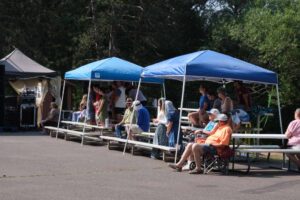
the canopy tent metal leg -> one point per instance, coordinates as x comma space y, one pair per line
88, 109
136, 96
279, 109
60, 110
180, 115
164, 90
280, 123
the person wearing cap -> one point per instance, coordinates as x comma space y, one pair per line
129, 113
142, 123
208, 130
219, 137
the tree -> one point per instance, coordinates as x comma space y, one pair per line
266, 34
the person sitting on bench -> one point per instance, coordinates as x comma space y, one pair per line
160, 137
172, 125
143, 121
52, 118
293, 134
200, 118
129, 113
219, 137
79, 115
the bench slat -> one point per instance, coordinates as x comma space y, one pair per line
268, 150
140, 144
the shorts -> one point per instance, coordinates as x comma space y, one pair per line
208, 149
135, 129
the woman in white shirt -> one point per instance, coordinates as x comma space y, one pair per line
160, 137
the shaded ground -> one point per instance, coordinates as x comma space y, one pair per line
35, 166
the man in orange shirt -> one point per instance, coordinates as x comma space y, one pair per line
221, 137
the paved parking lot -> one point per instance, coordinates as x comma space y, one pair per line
35, 166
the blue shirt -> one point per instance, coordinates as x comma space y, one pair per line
174, 117
203, 99
143, 119
210, 126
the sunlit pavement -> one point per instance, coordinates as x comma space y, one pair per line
36, 166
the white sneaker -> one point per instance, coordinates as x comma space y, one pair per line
186, 167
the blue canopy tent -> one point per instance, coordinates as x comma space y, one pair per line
109, 69
209, 65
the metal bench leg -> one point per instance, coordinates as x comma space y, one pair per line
82, 140
268, 157
249, 162
164, 156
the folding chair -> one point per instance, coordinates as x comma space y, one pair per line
217, 162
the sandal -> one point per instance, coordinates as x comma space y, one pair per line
174, 166
196, 171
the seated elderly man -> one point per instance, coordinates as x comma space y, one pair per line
209, 129
220, 137
143, 120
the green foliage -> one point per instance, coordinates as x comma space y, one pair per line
64, 34
266, 34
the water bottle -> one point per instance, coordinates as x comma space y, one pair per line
106, 122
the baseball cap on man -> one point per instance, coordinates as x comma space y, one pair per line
213, 111
222, 117
136, 105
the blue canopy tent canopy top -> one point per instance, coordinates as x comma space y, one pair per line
109, 69
210, 66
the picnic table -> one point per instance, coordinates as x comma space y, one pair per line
261, 148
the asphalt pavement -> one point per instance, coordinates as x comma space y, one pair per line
34, 166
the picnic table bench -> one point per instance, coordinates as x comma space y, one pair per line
260, 148
101, 129
264, 150
67, 133
133, 144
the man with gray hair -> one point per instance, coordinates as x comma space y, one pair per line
143, 120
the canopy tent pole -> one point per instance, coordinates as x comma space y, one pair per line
180, 115
131, 118
164, 90
279, 109
88, 109
280, 122
61, 105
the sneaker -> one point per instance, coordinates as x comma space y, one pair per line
186, 167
